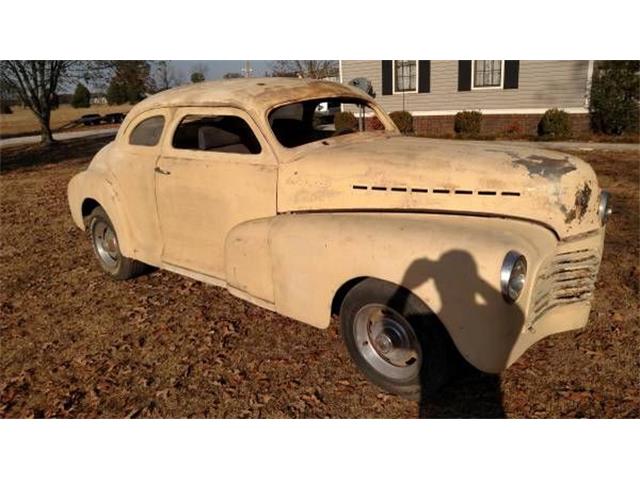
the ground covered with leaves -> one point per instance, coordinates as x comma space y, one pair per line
74, 343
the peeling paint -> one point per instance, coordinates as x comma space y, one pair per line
541, 165
579, 209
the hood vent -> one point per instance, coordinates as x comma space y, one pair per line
435, 191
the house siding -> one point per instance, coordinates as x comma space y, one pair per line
542, 85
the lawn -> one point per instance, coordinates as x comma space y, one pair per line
77, 344
23, 122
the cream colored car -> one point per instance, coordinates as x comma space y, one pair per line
421, 248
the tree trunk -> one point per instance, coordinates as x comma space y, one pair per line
46, 137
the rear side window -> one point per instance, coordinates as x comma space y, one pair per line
147, 133
216, 133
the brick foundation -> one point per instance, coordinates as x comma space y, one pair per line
516, 124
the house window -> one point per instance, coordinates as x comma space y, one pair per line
405, 78
487, 74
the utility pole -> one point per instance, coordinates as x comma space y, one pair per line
247, 69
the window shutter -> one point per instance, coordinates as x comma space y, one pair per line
464, 75
511, 73
424, 76
387, 77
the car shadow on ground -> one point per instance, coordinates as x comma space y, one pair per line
475, 311
26, 156
472, 394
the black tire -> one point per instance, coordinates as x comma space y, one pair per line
437, 357
116, 265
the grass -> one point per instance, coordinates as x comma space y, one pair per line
76, 344
23, 122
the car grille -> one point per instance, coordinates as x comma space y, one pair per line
568, 278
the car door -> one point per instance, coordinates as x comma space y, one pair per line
137, 152
216, 171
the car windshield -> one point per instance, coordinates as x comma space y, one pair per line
299, 123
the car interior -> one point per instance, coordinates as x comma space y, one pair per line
219, 133
311, 120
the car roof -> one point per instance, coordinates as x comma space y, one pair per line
257, 94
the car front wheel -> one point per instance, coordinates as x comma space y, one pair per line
395, 340
105, 246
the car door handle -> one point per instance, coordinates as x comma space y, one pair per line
162, 171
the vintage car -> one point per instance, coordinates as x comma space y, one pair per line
422, 249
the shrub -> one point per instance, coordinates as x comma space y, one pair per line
5, 108
197, 77
403, 120
468, 123
116, 93
554, 124
512, 130
345, 121
81, 97
613, 105
376, 124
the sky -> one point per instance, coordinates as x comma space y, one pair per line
217, 68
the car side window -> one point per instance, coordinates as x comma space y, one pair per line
147, 133
216, 133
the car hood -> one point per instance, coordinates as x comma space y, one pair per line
396, 173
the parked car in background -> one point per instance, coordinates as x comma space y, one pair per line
113, 117
90, 119
97, 119
422, 248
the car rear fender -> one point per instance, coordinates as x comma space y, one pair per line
91, 185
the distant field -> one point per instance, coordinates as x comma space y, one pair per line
22, 121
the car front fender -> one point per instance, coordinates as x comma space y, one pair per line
451, 262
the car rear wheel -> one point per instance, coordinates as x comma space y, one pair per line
395, 340
106, 248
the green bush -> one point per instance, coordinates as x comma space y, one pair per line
555, 124
197, 77
403, 120
468, 123
345, 121
116, 93
615, 92
81, 97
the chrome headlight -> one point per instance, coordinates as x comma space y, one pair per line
513, 275
604, 207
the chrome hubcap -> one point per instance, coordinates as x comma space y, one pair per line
387, 342
106, 243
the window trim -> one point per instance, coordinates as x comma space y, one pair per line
393, 79
473, 78
132, 130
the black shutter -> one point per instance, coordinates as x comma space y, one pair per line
387, 77
464, 75
511, 73
424, 76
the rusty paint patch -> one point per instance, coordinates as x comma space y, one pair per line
579, 209
541, 165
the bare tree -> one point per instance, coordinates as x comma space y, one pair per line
166, 76
304, 68
35, 83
